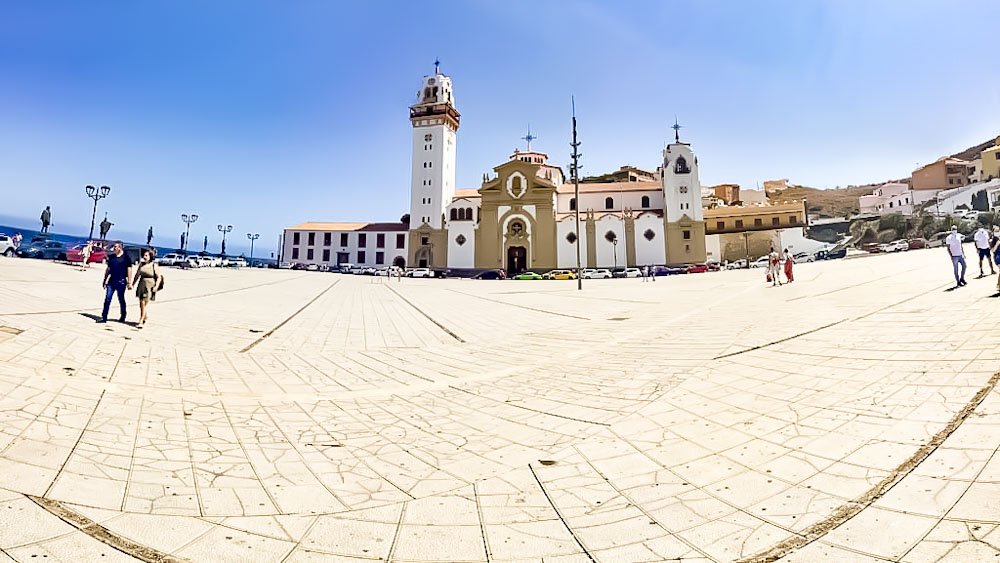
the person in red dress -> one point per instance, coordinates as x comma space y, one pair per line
788, 266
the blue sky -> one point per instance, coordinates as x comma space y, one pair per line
266, 114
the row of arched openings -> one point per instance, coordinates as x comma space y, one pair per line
609, 203
461, 214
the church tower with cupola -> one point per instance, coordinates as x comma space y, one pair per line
432, 185
683, 218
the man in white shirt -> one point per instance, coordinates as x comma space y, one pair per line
953, 243
983, 248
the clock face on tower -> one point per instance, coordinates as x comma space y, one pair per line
428, 137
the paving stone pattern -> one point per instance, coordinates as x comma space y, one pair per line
299, 416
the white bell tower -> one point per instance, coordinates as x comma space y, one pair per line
435, 126
683, 216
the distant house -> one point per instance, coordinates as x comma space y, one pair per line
892, 197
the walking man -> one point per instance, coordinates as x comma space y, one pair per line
773, 268
982, 237
46, 219
954, 245
117, 278
149, 235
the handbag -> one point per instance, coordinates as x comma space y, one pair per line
159, 278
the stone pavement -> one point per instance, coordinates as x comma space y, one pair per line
297, 416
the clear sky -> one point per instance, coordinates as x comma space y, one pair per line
266, 114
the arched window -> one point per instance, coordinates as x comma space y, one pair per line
468, 213
572, 204
645, 201
454, 214
609, 203
681, 166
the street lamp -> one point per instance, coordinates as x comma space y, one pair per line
96, 194
224, 230
188, 219
614, 247
252, 238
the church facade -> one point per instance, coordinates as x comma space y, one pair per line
522, 217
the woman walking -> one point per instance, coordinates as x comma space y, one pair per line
85, 254
147, 282
788, 266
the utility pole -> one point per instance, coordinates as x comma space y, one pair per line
575, 172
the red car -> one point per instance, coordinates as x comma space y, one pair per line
697, 268
97, 254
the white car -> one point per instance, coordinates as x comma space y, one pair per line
628, 273
737, 264
171, 259
6, 246
598, 274
420, 273
898, 246
760, 262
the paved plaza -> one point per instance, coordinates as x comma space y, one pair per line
273, 415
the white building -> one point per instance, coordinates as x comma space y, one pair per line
888, 198
333, 244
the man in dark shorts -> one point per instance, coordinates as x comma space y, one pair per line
117, 278
982, 238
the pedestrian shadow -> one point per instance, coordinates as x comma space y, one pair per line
91, 316
997, 294
952, 288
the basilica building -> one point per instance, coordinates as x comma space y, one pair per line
523, 215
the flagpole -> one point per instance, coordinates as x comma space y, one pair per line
575, 169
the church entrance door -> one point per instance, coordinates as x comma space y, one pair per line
517, 260
399, 262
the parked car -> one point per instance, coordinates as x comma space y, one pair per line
916, 243
737, 264
312, 268
356, 270
97, 254
596, 274
627, 273
171, 259
528, 276
285, 265
420, 273
834, 254
713, 266
697, 268
191, 262
559, 275
937, 239
48, 250
898, 245
491, 275
368, 271
760, 262
669, 270
872, 247
801, 257
7, 246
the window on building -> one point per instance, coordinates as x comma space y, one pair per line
775, 220
295, 253
380, 241
309, 254
572, 204
312, 239
326, 254
739, 223
400, 240
362, 240
890, 205
361, 257
380, 257
343, 239
468, 213
423, 241
327, 239
609, 203
720, 225
295, 238
793, 220
454, 214
758, 222
645, 201
687, 235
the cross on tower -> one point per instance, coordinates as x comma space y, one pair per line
529, 137
677, 130
437, 64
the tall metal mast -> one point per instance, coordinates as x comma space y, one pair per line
575, 172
